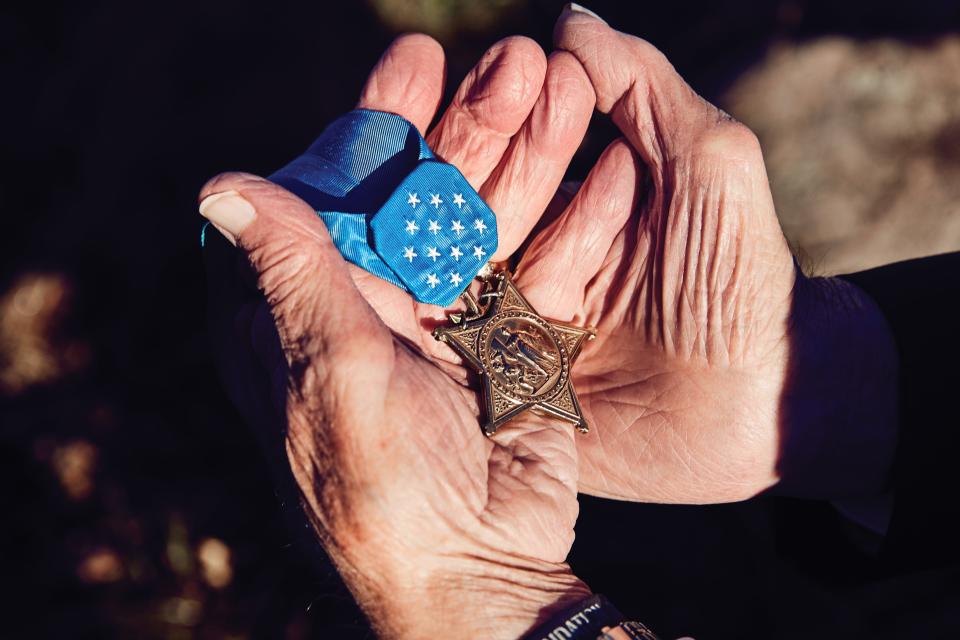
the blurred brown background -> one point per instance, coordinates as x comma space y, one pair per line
133, 501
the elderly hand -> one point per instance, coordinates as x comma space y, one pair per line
436, 529
719, 370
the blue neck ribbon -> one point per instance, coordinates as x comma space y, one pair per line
392, 208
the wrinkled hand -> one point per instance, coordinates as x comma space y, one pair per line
434, 527
719, 370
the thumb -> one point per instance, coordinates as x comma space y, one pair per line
306, 283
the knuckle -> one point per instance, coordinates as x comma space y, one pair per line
568, 87
728, 140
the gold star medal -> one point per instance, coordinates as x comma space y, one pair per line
524, 360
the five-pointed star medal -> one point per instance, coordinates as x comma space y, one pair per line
524, 359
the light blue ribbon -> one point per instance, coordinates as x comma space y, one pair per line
392, 208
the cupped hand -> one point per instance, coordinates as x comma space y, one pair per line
718, 370
433, 526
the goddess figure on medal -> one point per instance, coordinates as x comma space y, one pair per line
521, 358
524, 359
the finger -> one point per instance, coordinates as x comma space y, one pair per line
654, 107
490, 106
408, 80
583, 235
316, 307
530, 172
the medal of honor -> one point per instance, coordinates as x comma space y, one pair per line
395, 210
524, 360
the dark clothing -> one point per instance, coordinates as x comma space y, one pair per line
921, 301
776, 567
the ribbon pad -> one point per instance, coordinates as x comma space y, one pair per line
392, 208
435, 232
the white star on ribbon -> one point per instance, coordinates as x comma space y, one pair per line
413, 200
412, 227
478, 252
455, 278
434, 227
433, 253
409, 253
435, 200
458, 200
457, 226
455, 253
433, 280
479, 226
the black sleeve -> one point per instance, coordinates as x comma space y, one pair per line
921, 301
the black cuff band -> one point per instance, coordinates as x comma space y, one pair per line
583, 621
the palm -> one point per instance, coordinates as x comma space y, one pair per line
515, 493
673, 385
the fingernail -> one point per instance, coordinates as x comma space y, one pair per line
573, 7
229, 213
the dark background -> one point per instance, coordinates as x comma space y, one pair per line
133, 501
